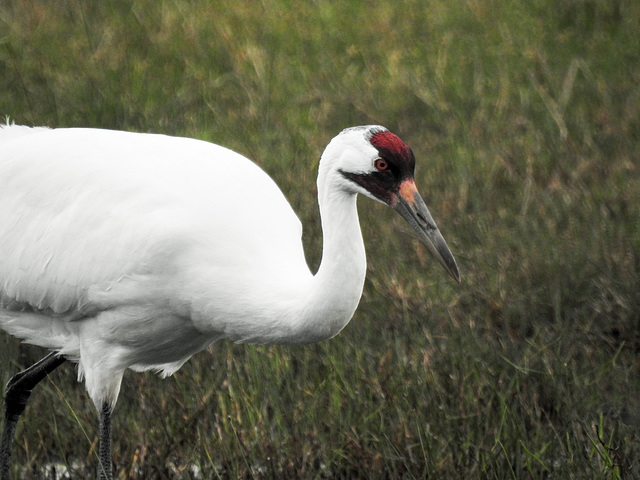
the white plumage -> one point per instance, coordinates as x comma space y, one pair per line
123, 250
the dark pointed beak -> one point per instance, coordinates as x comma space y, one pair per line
413, 209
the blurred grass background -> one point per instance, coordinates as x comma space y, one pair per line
525, 120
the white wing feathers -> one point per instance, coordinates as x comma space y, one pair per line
126, 250
81, 210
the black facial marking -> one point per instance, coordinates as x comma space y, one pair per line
385, 184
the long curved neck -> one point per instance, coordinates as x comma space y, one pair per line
305, 309
318, 307
332, 295
337, 286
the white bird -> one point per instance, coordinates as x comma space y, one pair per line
125, 250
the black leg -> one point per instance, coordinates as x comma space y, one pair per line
6, 444
16, 396
105, 471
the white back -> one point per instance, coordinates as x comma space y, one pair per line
82, 209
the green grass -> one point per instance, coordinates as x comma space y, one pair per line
525, 119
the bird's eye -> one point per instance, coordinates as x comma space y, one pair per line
381, 164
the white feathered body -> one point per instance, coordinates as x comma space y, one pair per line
124, 250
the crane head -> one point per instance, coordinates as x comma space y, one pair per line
377, 163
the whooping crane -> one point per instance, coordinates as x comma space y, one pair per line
125, 250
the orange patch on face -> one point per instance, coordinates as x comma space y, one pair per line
408, 190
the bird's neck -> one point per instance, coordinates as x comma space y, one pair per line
299, 309
318, 307
335, 290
